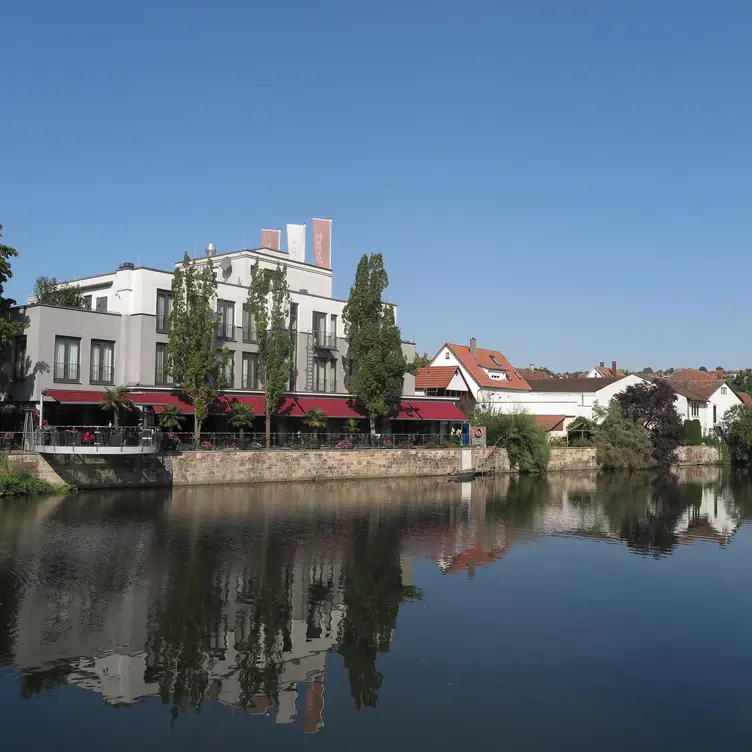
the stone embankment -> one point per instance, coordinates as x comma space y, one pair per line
219, 467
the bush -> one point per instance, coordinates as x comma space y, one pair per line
526, 444
622, 444
18, 484
692, 432
738, 430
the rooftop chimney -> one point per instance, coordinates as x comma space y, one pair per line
532, 367
473, 343
603, 364
613, 368
719, 373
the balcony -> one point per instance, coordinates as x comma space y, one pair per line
96, 440
325, 341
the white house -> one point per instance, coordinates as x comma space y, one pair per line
707, 401
602, 372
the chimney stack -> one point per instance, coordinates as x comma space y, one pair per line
719, 373
532, 366
603, 364
473, 343
613, 368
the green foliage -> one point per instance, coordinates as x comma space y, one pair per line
737, 424
375, 344
527, 445
315, 418
171, 418
622, 443
116, 400
8, 329
241, 416
742, 382
581, 432
692, 432
269, 303
418, 362
195, 361
19, 484
351, 425
50, 292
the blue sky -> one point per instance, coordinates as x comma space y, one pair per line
568, 181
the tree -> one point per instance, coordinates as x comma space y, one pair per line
196, 362
241, 417
692, 432
315, 418
351, 425
418, 362
172, 418
737, 430
647, 369
653, 406
703, 369
116, 400
742, 382
375, 344
50, 292
8, 329
527, 445
269, 304
621, 443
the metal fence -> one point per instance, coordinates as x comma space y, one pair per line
97, 436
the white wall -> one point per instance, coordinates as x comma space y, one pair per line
723, 399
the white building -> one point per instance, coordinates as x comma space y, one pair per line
707, 401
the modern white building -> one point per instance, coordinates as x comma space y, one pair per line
68, 356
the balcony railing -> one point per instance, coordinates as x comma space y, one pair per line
102, 375
324, 385
254, 384
250, 334
67, 372
163, 378
96, 440
325, 341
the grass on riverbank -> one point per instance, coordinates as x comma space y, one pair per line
14, 483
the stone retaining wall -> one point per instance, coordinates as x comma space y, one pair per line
220, 467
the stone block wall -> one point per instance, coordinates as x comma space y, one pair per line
698, 455
572, 458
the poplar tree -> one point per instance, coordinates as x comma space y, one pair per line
269, 304
196, 362
375, 343
8, 329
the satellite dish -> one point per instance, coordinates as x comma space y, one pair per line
211, 250
225, 265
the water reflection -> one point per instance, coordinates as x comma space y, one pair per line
243, 596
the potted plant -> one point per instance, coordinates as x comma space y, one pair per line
241, 417
170, 420
314, 419
116, 400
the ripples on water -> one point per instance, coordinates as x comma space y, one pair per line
419, 606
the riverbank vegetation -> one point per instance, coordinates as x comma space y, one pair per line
527, 445
14, 483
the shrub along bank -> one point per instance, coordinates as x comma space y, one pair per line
527, 445
15, 483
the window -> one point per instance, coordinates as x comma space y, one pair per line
228, 371
715, 415
249, 325
19, 358
67, 359
102, 305
493, 360
320, 336
225, 319
293, 316
87, 302
249, 375
162, 376
694, 408
102, 362
164, 307
324, 371
333, 327
446, 355
724, 390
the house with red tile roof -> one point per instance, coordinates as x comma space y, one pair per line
440, 381
602, 372
707, 400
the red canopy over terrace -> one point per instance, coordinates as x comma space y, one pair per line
294, 407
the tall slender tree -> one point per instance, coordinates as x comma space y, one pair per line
269, 303
196, 361
8, 329
375, 344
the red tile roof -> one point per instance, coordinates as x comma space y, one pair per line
692, 374
550, 422
434, 377
530, 375
608, 373
745, 398
483, 359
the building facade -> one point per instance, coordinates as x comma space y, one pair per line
120, 338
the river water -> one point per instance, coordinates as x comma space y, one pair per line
573, 613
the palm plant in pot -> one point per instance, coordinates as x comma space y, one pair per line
171, 420
241, 417
314, 419
116, 400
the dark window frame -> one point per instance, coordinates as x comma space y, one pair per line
101, 379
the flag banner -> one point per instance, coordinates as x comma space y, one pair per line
322, 243
296, 242
271, 239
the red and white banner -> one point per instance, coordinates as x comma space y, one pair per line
271, 239
322, 243
296, 242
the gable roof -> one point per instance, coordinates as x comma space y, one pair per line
572, 385
692, 374
688, 390
485, 359
434, 377
551, 422
530, 375
608, 373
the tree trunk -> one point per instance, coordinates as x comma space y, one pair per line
116, 417
197, 432
372, 423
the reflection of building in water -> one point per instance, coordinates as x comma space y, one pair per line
711, 520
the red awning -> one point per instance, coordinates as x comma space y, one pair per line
439, 411
75, 396
256, 401
332, 406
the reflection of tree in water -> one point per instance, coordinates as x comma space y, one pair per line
373, 593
